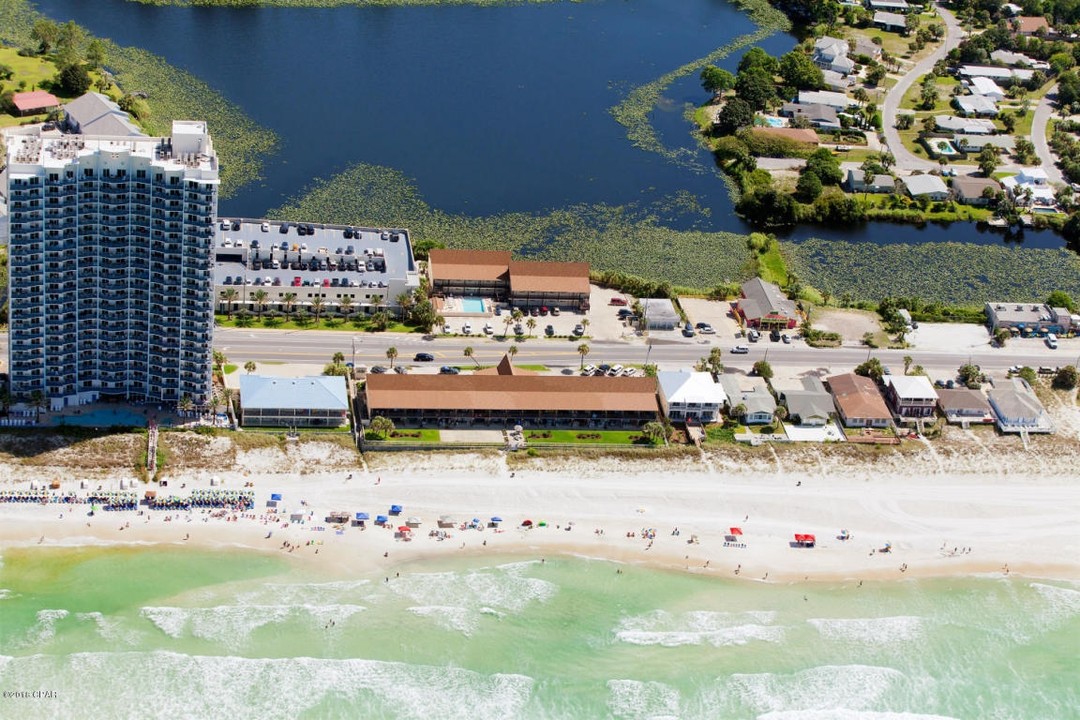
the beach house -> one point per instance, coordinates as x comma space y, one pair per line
890, 22
976, 105
494, 274
910, 397
318, 401
987, 88
1017, 409
964, 406
686, 395
930, 186
1030, 187
752, 393
858, 401
881, 183
973, 190
812, 406
821, 116
832, 54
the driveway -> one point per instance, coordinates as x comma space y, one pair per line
905, 160
1041, 119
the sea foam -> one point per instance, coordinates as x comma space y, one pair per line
637, 700
699, 628
187, 686
871, 631
824, 688
231, 625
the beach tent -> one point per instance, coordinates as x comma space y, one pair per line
380, 519
362, 516
526, 523
445, 521
404, 529
296, 517
275, 496
805, 540
413, 522
736, 531
395, 509
496, 519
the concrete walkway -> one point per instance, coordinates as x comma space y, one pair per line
1039, 122
905, 160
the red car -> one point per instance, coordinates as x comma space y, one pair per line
296, 281
617, 301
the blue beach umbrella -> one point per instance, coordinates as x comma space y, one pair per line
381, 519
275, 496
362, 516
496, 519
395, 509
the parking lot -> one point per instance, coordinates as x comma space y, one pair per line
714, 312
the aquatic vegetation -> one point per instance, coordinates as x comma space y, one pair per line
952, 273
634, 110
173, 94
630, 239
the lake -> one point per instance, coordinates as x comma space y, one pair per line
489, 110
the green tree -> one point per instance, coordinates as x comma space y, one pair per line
345, 306
1065, 378
904, 121
512, 351
713, 363
96, 55
1024, 151
1001, 336
228, 297
379, 321
654, 431
872, 369
755, 58
735, 114
928, 96
825, 165
74, 80
988, 160
738, 412
338, 358
39, 402
970, 375
1060, 62
1028, 374
421, 248
69, 45
318, 306
46, 33
1060, 298
800, 72
808, 188
382, 426
249, 366
391, 355
289, 301
531, 324
470, 353
259, 296
582, 350
908, 360
763, 369
756, 87
716, 80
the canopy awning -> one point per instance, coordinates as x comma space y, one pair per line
527, 523
404, 528
362, 516
805, 539
381, 519
736, 531
275, 496
496, 519
395, 509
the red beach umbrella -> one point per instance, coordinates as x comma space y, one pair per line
736, 531
404, 528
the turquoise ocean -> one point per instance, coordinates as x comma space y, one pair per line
150, 632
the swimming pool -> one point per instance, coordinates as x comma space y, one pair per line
104, 418
773, 121
473, 305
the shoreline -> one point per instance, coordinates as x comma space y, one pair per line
1026, 526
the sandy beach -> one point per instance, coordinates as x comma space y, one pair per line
951, 518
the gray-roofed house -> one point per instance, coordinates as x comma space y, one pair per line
314, 401
964, 406
836, 81
930, 186
828, 49
819, 115
893, 5
969, 190
998, 73
881, 183
835, 100
810, 407
977, 105
890, 22
659, 314
764, 305
1017, 408
753, 395
975, 143
867, 48
970, 126
686, 395
95, 114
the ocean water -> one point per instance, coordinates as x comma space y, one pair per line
183, 634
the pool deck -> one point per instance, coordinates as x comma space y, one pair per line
454, 307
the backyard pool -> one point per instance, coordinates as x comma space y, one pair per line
104, 418
772, 121
473, 305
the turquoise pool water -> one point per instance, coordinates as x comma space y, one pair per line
473, 305
104, 418
775, 121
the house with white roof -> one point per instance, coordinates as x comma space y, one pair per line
968, 126
827, 49
314, 401
1013, 59
997, 73
977, 105
930, 186
1030, 187
910, 397
686, 395
987, 88
835, 100
836, 81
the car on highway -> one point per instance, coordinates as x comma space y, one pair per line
423, 357
740, 350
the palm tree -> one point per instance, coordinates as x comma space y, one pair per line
39, 402
1000, 336
228, 297
186, 404
220, 360
318, 305
656, 432
405, 302
531, 324
907, 363
391, 355
508, 320
250, 366
781, 413
512, 351
259, 296
345, 306
288, 300
585, 325
339, 358
582, 350
468, 352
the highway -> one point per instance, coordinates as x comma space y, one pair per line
318, 347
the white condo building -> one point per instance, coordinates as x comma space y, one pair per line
111, 283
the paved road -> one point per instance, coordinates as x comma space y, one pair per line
1043, 111
317, 347
905, 160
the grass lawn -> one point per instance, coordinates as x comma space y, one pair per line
404, 435
591, 437
37, 74
230, 368
958, 212
913, 96
278, 323
720, 433
772, 266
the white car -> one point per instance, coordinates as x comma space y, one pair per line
588, 370
740, 350
488, 330
615, 370
579, 329
466, 329
266, 227
446, 329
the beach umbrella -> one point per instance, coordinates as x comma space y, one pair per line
526, 523
736, 531
395, 509
404, 528
381, 519
362, 516
476, 521
542, 523
275, 496
496, 519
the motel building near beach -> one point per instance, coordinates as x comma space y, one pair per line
506, 396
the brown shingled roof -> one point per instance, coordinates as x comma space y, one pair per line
1028, 25
532, 276
511, 392
858, 396
468, 264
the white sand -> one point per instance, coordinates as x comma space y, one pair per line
1002, 507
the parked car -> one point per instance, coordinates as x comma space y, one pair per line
284, 229
423, 357
786, 338
774, 335
519, 330
740, 350
544, 310
488, 330
617, 301
466, 329
401, 370
447, 370
555, 311
615, 370
549, 330
266, 227
579, 329
1051, 341
378, 370
705, 329
688, 330
588, 370
753, 335
446, 329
